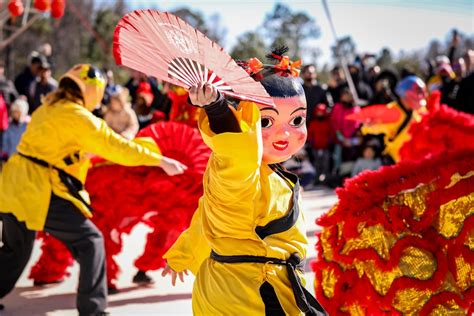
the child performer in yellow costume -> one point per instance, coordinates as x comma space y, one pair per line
247, 242
41, 187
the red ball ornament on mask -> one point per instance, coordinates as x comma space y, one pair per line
42, 5
15, 7
57, 8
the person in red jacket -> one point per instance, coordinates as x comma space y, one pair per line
3, 118
319, 137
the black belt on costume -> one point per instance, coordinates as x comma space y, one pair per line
72, 184
306, 302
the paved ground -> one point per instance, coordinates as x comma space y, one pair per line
161, 299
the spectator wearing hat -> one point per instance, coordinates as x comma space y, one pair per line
111, 87
143, 106
40, 87
28, 75
120, 116
16, 128
384, 86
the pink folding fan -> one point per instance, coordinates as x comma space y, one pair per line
162, 45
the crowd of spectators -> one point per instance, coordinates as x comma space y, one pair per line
335, 148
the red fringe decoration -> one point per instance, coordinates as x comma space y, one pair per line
125, 196
54, 261
438, 131
361, 201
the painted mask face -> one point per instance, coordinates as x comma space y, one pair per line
412, 92
283, 128
415, 98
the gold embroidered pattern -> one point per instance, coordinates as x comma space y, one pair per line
375, 237
455, 178
327, 249
380, 280
449, 308
410, 301
470, 240
354, 310
453, 214
414, 199
328, 282
465, 273
417, 263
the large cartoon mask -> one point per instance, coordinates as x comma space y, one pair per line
412, 92
91, 82
283, 128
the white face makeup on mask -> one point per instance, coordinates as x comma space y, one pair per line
283, 128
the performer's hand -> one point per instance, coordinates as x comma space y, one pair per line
167, 270
203, 94
172, 167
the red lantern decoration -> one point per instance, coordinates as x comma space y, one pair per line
42, 5
16, 8
57, 8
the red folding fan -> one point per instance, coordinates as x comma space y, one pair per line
162, 45
181, 142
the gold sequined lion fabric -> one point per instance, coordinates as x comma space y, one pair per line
400, 241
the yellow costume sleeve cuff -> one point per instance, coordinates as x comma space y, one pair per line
149, 143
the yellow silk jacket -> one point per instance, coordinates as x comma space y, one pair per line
240, 193
59, 132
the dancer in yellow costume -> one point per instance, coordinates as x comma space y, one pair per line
41, 187
408, 109
247, 240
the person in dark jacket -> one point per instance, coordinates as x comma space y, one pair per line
28, 75
40, 87
315, 93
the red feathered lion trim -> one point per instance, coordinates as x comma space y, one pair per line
369, 199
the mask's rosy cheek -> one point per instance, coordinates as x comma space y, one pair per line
301, 135
265, 135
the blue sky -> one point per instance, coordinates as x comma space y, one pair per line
400, 25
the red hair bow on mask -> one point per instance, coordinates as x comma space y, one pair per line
254, 66
286, 64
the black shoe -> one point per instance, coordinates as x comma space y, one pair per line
142, 278
42, 283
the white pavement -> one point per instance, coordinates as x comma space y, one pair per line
160, 299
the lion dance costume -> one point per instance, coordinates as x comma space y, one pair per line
400, 240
